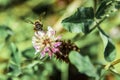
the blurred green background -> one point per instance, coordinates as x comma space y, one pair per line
16, 37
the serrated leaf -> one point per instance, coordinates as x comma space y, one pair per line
80, 21
83, 64
109, 47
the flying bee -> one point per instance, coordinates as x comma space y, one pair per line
38, 26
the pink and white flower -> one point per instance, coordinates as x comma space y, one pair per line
46, 42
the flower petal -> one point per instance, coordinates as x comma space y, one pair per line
45, 42
37, 48
58, 38
37, 51
42, 54
41, 33
54, 50
49, 53
57, 44
47, 50
50, 32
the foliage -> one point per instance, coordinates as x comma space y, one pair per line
88, 28
82, 63
80, 21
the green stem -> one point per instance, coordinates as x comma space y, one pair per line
98, 23
114, 71
115, 62
107, 15
108, 66
111, 66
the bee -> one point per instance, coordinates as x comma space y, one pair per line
38, 26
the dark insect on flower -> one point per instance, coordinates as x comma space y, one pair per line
38, 26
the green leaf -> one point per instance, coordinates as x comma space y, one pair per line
102, 8
109, 47
80, 21
14, 70
117, 5
15, 55
5, 33
29, 53
83, 64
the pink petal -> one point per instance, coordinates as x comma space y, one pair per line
50, 32
57, 44
55, 50
41, 33
46, 49
42, 54
37, 48
58, 38
49, 53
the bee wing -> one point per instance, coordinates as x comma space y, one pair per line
42, 15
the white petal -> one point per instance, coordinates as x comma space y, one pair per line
58, 37
36, 52
50, 32
50, 28
41, 33
33, 39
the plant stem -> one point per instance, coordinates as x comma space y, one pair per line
98, 23
115, 62
111, 66
106, 16
114, 71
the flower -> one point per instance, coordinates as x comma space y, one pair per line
46, 42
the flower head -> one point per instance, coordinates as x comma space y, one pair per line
46, 42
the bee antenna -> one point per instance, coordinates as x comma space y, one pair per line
29, 21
